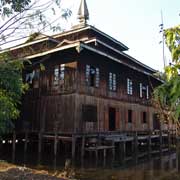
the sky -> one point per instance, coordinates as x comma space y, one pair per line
134, 23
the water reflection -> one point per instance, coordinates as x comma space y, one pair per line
159, 167
155, 167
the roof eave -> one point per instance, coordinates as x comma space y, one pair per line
125, 48
79, 46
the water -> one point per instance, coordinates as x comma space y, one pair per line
157, 167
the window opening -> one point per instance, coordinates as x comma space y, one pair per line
92, 76
112, 82
129, 86
129, 116
144, 117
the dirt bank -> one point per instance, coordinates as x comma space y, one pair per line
13, 172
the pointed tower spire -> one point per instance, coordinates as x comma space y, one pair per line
83, 13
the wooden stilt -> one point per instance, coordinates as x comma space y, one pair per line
104, 157
39, 142
82, 147
160, 141
55, 150
96, 157
39, 146
82, 151
25, 142
13, 146
65, 148
73, 147
55, 145
25, 146
98, 140
169, 140
96, 154
132, 147
113, 150
123, 151
136, 147
119, 150
104, 154
149, 143
136, 144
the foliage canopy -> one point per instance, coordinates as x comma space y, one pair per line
167, 95
11, 89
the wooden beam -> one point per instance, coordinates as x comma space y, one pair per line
82, 147
73, 147
13, 146
25, 142
160, 140
149, 142
55, 145
136, 143
123, 151
55, 150
113, 150
39, 146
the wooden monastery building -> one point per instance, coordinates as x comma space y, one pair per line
89, 91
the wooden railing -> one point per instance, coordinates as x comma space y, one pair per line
128, 133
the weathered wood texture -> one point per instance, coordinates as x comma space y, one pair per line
55, 114
52, 108
47, 106
122, 73
121, 108
58, 107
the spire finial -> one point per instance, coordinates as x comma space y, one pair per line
83, 13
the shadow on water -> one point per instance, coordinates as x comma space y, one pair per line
157, 167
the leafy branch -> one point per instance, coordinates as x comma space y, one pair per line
28, 18
167, 96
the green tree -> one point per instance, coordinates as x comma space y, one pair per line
11, 89
7, 8
19, 19
167, 95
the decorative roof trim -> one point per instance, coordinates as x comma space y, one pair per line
83, 13
53, 38
92, 28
